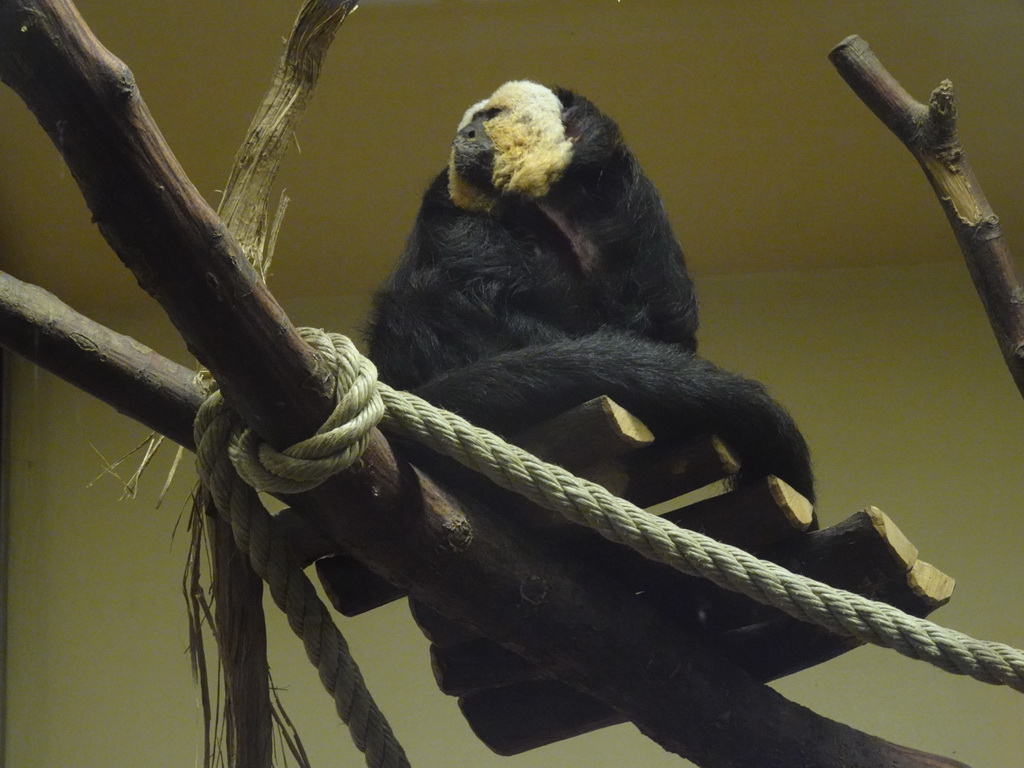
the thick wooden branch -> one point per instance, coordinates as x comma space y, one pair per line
154, 218
467, 564
930, 133
115, 368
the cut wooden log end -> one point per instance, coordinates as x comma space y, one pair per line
859, 553
903, 552
353, 588
752, 517
867, 553
598, 430
439, 629
307, 541
478, 665
794, 506
658, 474
927, 582
545, 711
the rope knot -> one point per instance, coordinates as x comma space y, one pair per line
337, 444
233, 465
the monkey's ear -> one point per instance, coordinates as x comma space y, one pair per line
567, 97
571, 113
572, 123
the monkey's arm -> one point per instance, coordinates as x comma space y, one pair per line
616, 218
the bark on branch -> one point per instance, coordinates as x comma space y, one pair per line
930, 133
154, 218
115, 368
467, 564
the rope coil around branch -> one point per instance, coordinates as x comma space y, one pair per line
337, 444
231, 461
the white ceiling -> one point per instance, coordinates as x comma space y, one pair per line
765, 159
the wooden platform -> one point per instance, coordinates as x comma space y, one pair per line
514, 706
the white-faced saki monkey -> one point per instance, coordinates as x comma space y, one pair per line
542, 272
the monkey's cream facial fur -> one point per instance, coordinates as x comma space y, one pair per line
531, 151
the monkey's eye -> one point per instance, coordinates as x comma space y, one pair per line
487, 114
475, 129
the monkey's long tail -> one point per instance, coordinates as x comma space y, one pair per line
675, 392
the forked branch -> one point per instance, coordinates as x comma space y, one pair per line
930, 133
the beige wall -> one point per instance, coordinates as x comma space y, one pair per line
891, 371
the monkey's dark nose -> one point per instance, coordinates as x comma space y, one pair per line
473, 154
473, 132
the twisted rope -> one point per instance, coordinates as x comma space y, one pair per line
231, 461
692, 553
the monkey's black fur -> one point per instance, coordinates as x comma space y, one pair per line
513, 315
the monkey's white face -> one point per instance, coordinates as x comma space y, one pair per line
528, 147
